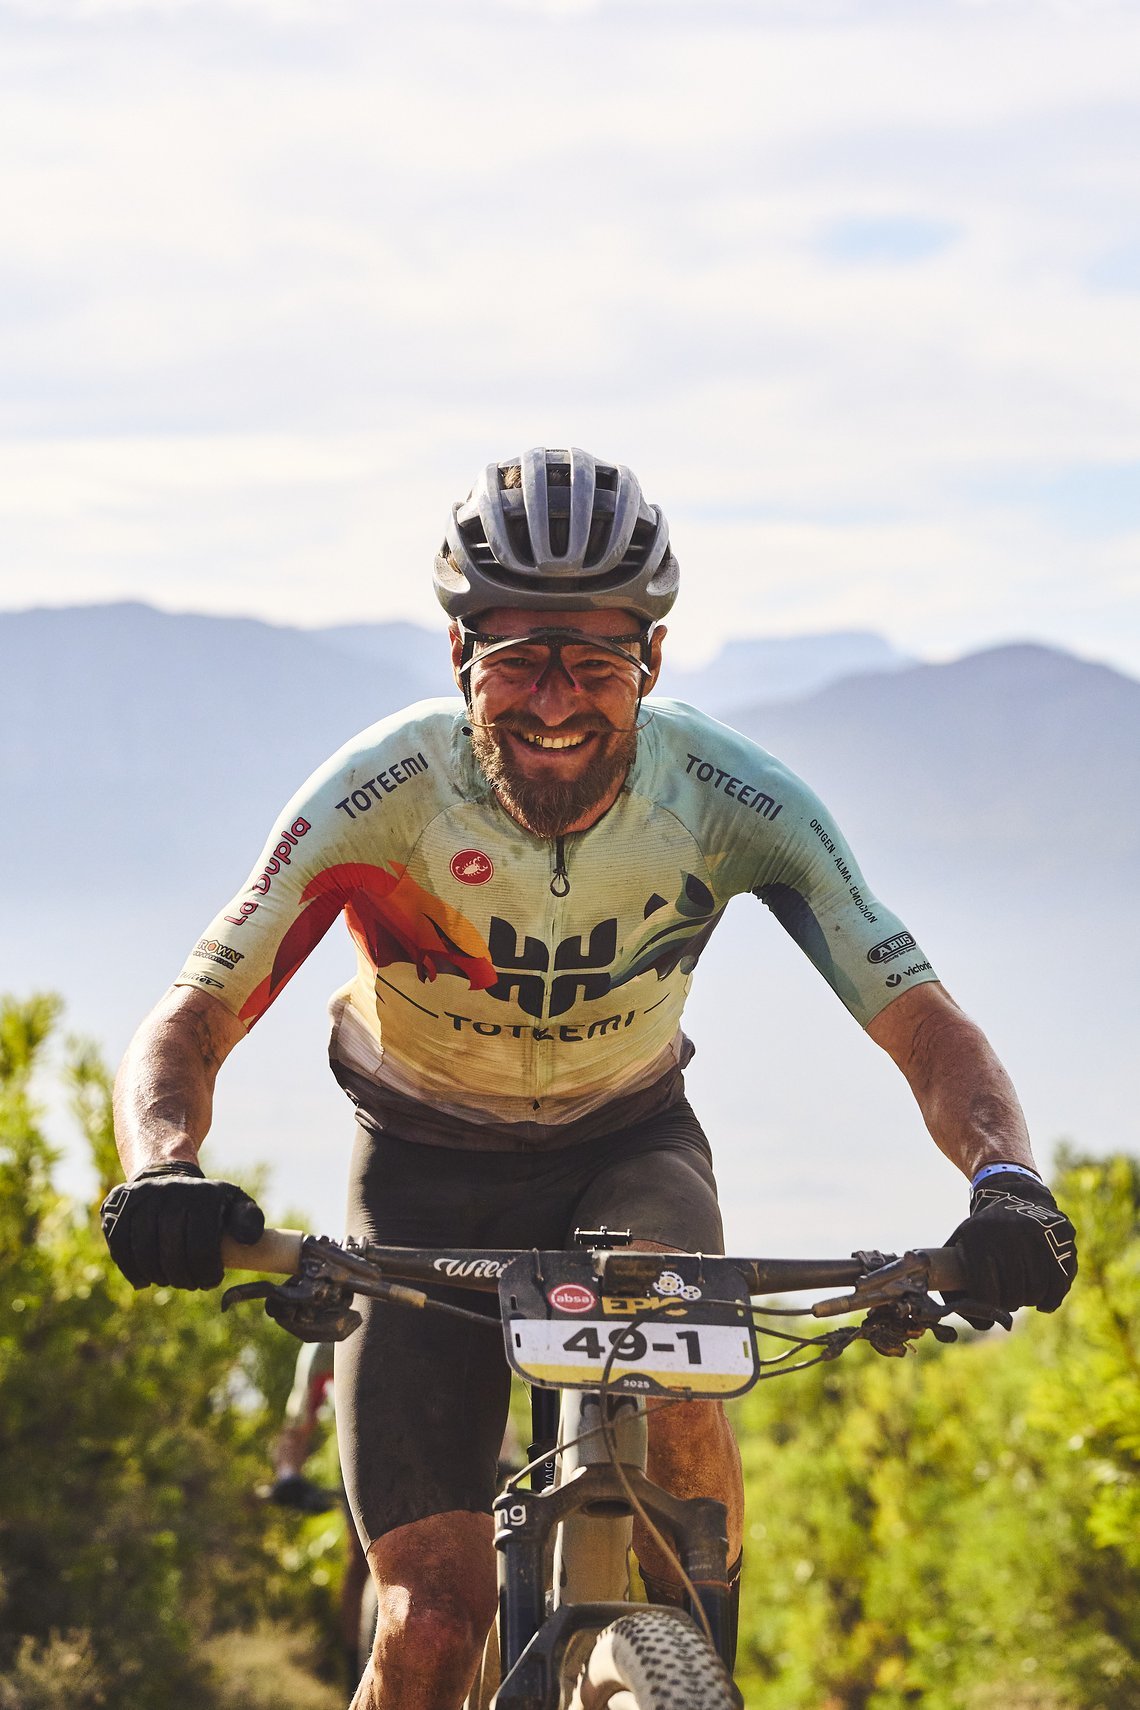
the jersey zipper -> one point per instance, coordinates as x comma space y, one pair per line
559, 890
560, 879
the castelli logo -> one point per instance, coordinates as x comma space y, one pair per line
572, 1297
472, 867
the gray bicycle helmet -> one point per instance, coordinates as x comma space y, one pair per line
554, 530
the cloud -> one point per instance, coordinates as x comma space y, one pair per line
1117, 269
850, 285
895, 239
1087, 500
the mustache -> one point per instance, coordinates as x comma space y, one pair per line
535, 727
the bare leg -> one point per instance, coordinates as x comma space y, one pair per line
435, 1580
351, 1593
692, 1452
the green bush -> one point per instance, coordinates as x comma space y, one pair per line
134, 1431
961, 1529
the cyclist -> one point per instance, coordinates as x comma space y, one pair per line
312, 1381
529, 876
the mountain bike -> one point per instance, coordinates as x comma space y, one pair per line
604, 1334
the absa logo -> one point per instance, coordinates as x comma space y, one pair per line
572, 1297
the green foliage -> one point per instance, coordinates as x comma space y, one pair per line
61, 1673
90, 1088
135, 1429
26, 1158
960, 1530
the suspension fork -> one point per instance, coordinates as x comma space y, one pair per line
593, 1543
584, 1520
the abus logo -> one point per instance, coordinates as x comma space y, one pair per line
469, 1267
472, 867
572, 1297
890, 948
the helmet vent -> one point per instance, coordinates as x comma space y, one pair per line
475, 541
644, 534
559, 535
519, 536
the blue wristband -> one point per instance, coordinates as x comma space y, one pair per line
1002, 1169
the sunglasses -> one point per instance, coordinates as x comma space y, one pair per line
590, 662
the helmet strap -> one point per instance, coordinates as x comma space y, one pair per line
469, 639
647, 635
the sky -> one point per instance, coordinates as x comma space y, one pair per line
852, 285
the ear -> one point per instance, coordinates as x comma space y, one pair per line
655, 641
456, 639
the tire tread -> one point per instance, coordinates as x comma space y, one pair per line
653, 1660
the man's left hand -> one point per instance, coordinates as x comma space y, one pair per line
1019, 1247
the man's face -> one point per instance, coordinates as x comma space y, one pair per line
554, 728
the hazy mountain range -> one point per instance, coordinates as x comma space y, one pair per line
992, 802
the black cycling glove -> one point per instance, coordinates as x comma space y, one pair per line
1019, 1248
166, 1225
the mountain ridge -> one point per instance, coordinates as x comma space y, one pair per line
991, 802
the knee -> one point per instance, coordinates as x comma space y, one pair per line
443, 1627
435, 1586
689, 1427
693, 1451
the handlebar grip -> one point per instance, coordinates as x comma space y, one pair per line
278, 1250
947, 1268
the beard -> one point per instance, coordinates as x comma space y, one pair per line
548, 807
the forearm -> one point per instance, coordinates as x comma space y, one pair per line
966, 1097
293, 1446
164, 1090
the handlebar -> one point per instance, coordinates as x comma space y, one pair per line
282, 1252
277, 1252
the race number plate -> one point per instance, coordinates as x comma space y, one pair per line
690, 1331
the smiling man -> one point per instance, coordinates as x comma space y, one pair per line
544, 705
529, 877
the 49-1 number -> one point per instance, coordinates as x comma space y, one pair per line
629, 1344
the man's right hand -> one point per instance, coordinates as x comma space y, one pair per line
166, 1225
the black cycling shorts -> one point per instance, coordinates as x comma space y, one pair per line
421, 1398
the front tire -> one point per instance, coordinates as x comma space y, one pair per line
653, 1660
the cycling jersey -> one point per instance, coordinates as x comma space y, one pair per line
312, 1380
517, 984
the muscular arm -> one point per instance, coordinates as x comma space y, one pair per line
965, 1096
164, 1091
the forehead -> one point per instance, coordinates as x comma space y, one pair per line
516, 620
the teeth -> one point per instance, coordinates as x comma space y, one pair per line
553, 741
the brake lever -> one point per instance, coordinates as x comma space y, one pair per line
246, 1291
899, 1309
889, 1284
891, 1329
